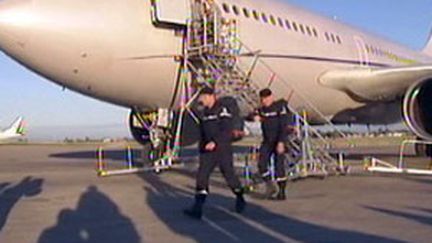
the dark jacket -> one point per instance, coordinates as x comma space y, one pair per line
216, 126
276, 122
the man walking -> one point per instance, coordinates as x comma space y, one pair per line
275, 119
215, 150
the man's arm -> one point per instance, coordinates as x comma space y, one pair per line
285, 117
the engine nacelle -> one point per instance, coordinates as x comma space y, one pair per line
417, 109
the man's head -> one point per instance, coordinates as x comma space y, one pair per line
266, 96
207, 97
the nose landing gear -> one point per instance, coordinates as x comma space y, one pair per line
153, 130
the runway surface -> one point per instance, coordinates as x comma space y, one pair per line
50, 193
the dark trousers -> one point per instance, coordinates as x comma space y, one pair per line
222, 157
267, 150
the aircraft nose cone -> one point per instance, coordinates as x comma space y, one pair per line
16, 20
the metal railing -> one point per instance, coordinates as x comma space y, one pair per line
258, 68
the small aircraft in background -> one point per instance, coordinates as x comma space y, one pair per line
16, 130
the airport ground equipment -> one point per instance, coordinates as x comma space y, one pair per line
305, 157
214, 56
251, 156
129, 165
380, 166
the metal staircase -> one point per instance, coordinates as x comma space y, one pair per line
212, 48
212, 54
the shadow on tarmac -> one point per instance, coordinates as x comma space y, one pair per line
423, 219
120, 154
11, 195
221, 224
96, 219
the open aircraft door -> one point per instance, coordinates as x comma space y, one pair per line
171, 13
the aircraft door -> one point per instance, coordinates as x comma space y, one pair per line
172, 13
363, 54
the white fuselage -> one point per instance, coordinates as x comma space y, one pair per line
7, 136
112, 51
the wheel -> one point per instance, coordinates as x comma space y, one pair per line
139, 132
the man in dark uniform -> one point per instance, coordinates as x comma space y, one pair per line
215, 150
276, 120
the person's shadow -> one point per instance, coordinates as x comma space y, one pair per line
96, 219
424, 216
10, 195
221, 224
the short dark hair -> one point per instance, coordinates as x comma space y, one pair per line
265, 93
207, 91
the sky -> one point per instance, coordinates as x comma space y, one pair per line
54, 114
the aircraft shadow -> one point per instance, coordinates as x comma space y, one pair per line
10, 195
96, 219
257, 224
423, 219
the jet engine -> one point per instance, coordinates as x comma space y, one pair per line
417, 109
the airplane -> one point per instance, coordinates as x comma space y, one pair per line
130, 53
16, 130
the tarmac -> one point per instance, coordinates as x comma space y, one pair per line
50, 193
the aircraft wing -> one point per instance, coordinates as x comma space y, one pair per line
372, 85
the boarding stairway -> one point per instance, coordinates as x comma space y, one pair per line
212, 49
214, 56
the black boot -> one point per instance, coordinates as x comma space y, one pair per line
240, 204
281, 193
196, 210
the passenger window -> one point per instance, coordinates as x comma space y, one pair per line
236, 10
294, 25
333, 38
280, 21
308, 30
338, 39
302, 28
287, 24
327, 36
246, 12
315, 32
226, 8
272, 20
255, 14
264, 17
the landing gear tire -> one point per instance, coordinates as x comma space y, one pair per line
139, 132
